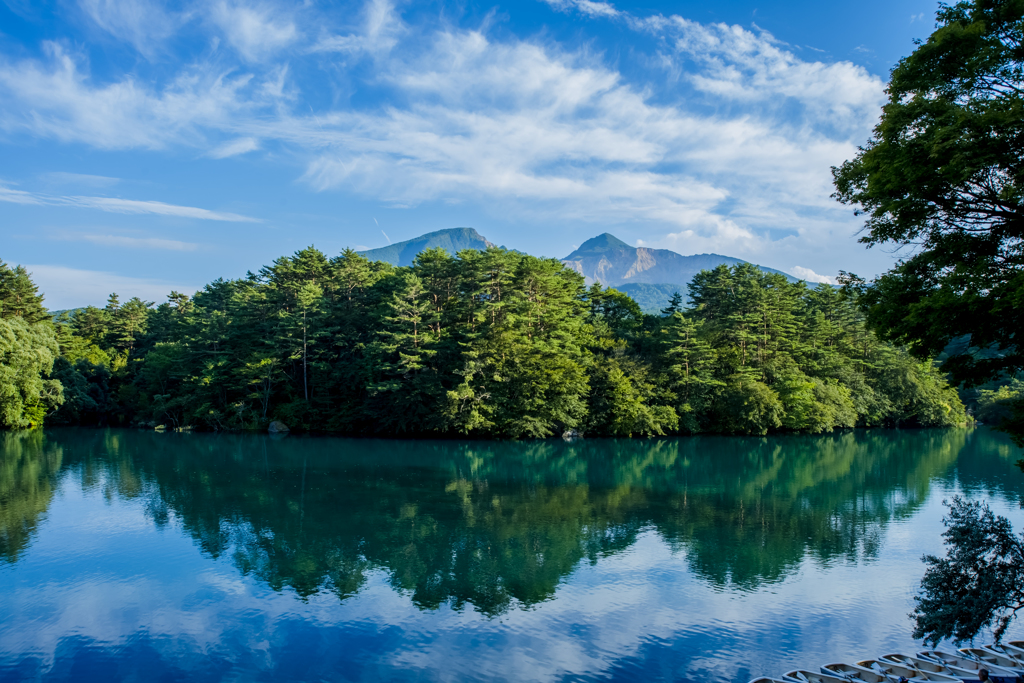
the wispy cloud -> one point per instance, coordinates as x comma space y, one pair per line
725, 145
588, 7
234, 148
133, 242
118, 205
380, 31
58, 100
144, 24
255, 31
115, 205
12, 196
63, 178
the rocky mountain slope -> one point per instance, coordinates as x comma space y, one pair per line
612, 262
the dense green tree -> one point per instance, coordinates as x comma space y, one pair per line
28, 349
404, 397
128, 323
489, 343
19, 296
27, 353
943, 172
690, 370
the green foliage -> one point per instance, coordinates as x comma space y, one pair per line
28, 348
27, 352
943, 171
747, 406
19, 296
980, 582
815, 406
1003, 407
493, 344
625, 404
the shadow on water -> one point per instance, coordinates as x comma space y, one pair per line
498, 525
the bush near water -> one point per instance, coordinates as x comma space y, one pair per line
490, 343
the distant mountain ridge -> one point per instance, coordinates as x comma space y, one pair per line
612, 262
452, 240
649, 276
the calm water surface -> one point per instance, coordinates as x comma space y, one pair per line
135, 556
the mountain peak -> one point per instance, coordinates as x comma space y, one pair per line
604, 242
468, 233
452, 240
612, 262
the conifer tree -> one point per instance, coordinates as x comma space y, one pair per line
19, 296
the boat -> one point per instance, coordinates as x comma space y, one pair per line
994, 659
967, 668
767, 679
1007, 650
894, 671
924, 667
852, 672
805, 676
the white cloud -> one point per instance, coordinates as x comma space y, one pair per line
12, 196
57, 100
254, 31
118, 205
234, 148
554, 133
810, 275
63, 178
594, 9
740, 65
725, 148
380, 32
135, 242
142, 23
72, 288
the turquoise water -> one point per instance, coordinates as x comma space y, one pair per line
130, 555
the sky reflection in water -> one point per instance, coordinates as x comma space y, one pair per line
138, 556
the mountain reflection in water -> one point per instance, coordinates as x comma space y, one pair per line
499, 526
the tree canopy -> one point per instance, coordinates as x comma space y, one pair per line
28, 348
493, 344
942, 176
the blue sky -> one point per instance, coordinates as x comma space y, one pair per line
146, 146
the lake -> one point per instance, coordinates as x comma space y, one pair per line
139, 556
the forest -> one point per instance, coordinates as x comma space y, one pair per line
485, 344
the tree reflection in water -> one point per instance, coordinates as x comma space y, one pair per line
495, 525
28, 472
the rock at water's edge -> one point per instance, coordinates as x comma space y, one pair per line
277, 427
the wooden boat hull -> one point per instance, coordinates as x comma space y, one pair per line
854, 672
967, 669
